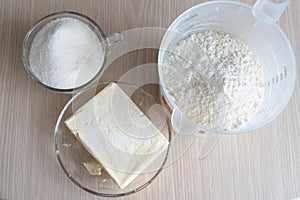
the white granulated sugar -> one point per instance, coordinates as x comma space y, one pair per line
215, 79
65, 53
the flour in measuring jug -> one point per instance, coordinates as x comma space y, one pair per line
215, 79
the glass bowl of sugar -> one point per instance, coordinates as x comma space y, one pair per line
65, 51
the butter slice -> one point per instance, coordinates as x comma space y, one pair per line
117, 134
94, 168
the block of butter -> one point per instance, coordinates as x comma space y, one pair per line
117, 134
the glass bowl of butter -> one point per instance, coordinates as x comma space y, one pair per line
112, 139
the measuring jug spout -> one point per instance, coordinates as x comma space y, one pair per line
181, 124
268, 11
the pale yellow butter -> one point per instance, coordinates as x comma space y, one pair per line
117, 134
94, 168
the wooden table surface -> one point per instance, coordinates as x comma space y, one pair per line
264, 164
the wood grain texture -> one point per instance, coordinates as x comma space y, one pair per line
264, 164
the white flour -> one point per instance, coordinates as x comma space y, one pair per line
65, 54
215, 79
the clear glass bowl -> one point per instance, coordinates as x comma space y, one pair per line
71, 153
43, 21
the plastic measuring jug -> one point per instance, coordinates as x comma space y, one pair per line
257, 27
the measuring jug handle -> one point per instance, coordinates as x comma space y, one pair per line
181, 124
268, 11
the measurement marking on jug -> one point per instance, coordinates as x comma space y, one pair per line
190, 17
191, 26
285, 71
276, 79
